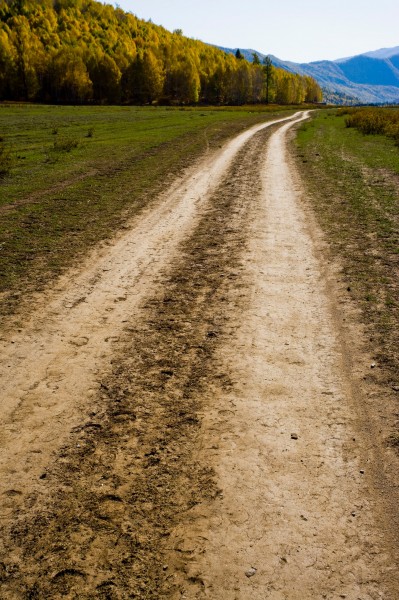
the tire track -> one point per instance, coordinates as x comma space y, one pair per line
297, 514
221, 456
51, 367
91, 524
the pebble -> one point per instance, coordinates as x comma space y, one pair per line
294, 436
251, 572
373, 366
361, 471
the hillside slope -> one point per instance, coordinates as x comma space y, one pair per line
80, 51
372, 77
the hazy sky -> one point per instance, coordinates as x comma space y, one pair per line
290, 29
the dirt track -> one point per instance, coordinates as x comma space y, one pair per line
178, 417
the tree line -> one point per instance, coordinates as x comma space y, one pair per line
80, 51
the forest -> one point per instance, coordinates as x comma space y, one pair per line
83, 51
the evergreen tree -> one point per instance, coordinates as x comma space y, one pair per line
268, 75
239, 56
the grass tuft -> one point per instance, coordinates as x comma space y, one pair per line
65, 144
5, 158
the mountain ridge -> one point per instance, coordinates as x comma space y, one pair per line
368, 78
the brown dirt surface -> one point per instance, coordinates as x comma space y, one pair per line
181, 416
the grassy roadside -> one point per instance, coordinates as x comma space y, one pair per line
353, 181
73, 175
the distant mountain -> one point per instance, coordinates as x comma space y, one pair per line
383, 52
369, 78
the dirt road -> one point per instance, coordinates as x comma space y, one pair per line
178, 416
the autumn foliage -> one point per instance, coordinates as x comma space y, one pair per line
78, 51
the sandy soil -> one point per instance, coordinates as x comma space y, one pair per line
58, 358
178, 416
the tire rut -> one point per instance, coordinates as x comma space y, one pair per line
99, 525
52, 356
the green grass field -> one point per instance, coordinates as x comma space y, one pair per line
353, 181
73, 175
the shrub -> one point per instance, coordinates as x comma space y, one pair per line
374, 121
392, 131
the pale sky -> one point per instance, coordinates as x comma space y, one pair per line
289, 29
